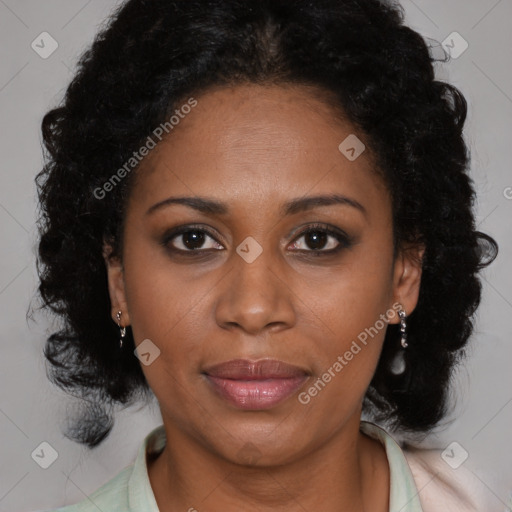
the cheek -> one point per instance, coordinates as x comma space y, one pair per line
356, 294
159, 298
165, 312
169, 317
352, 308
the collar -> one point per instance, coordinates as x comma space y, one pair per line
403, 492
140, 493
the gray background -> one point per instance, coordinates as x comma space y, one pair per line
32, 410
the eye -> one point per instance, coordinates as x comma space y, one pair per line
190, 239
318, 239
321, 239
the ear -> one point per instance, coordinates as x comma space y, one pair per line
407, 278
116, 288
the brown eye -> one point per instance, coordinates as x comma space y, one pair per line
316, 240
321, 239
190, 239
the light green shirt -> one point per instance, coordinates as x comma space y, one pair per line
130, 490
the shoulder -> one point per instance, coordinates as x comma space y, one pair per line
130, 489
451, 488
112, 495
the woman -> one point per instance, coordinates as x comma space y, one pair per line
260, 213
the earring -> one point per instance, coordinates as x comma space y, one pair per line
403, 328
122, 329
398, 364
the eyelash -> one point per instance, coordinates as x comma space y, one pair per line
344, 240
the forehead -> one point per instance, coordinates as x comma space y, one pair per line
255, 143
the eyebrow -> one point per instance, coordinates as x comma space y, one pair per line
213, 207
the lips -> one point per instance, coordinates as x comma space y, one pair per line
255, 385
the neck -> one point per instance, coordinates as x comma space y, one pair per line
349, 472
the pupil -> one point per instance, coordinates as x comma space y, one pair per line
317, 239
193, 237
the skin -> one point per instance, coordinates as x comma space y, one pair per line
254, 148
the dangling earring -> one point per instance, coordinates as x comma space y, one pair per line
403, 328
398, 364
122, 329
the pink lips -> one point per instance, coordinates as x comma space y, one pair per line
255, 385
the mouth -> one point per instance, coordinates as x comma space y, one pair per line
255, 385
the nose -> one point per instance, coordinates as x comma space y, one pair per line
255, 297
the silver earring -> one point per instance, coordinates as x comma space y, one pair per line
398, 363
403, 328
122, 329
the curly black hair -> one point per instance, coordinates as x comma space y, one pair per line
154, 53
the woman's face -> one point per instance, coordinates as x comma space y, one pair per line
247, 283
